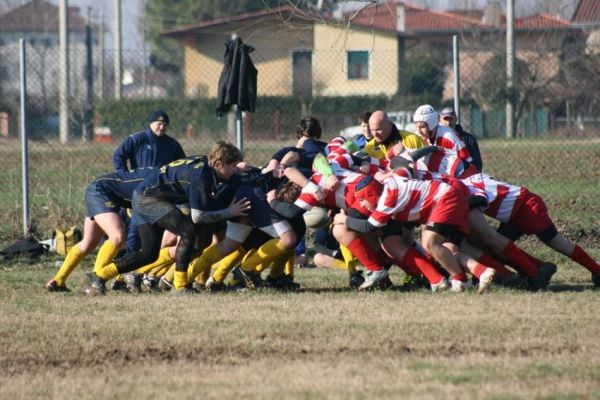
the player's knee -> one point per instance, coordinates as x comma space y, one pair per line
289, 239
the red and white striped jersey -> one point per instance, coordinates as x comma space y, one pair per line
503, 198
448, 162
342, 198
342, 163
407, 200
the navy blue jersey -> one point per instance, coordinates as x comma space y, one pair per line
145, 149
118, 186
190, 180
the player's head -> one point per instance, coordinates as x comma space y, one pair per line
426, 120
363, 121
367, 192
448, 117
380, 126
309, 127
223, 158
289, 192
158, 121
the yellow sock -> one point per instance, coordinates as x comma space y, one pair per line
223, 267
348, 259
262, 266
107, 252
119, 278
289, 265
279, 265
108, 272
265, 253
160, 271
170, 274
338, 264
210, 256
180, 279
203, 277
72, 260
164, 258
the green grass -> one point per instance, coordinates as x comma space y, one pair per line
323, 342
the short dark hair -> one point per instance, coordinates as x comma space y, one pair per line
364, 117
311, 126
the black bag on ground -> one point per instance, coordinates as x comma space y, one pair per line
29, 247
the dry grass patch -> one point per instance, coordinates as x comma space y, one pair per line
325, 342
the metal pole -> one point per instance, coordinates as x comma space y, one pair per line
64, 72
101, 56
24, 153
239, 128
456, 59
88, 126
117, 38
510, 65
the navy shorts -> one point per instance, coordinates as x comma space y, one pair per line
97, 202
150, 209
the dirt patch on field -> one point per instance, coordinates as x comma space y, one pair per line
228, 356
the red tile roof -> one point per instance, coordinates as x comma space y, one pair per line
418, 19
541, 21
37, 16
587, 11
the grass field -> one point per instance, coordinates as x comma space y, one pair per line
324, 342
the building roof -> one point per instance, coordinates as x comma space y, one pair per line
541, 21
39, 16
418, 19
423, 20
587, 11
283, 12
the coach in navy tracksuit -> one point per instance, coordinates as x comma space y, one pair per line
151, 147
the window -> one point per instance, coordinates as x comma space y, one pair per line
358, 64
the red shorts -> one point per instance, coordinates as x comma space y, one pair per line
532, 216
451, 209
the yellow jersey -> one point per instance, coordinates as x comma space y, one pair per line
379, 150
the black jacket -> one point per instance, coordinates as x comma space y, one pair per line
237, 84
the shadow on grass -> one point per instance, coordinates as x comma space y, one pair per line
570, 288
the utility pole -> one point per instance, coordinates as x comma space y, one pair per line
88, 124
510, 68
64, 71
117, 38
101, 56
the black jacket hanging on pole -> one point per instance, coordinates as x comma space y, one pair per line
237, 84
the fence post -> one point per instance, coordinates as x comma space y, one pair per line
24, 153
455, 58
510, 68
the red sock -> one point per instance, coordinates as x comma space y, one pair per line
518, 258
361, 250
536, 261
479, 269
460, 277
501, 271
582, 258
416, 260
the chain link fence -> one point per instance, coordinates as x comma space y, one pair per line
555, 152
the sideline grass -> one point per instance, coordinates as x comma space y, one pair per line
324, 342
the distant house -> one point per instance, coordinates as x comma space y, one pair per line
360, 54
37, 23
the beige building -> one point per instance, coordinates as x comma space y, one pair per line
362, 53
